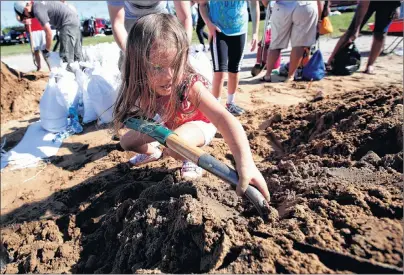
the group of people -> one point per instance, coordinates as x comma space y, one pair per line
159, 83
39, 18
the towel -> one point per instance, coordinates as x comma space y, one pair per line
35, 146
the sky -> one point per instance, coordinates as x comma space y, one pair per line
85, 9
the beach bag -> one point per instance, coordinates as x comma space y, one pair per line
315, 68
53, 109
307, 54
347, 60
326, 26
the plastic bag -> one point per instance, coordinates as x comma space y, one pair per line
53, 111
347, 60
102, 96
200, 62
54, 60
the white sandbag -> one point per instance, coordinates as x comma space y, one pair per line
54, 60
85, 108
69, 89
103, 97
200, 62
53, 111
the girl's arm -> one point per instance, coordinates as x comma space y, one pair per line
203, 10
234, 135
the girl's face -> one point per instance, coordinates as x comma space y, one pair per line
161, 70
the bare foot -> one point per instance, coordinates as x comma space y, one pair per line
369, 70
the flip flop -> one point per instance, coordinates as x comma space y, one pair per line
263, 79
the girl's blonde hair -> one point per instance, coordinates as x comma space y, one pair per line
136, 97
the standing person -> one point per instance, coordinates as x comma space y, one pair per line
296, 21
200, 25
91, 26
385, 11
227, 22
64, 19
171, 88
57, 32
123, 15
36, 39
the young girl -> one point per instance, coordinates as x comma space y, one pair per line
227, 21
158, 79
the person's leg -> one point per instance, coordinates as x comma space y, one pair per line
196, 133
192, 134
142, 145
295, 58
236, 45
383, 18
37, 57
377, 47
219, 51
304, 31
273, 55
66, 51
281, 27
199, 30
78, 53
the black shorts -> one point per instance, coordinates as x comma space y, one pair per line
384, 14
227, 52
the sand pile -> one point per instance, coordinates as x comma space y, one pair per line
20, 92
336, 202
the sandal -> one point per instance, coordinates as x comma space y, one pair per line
263, 79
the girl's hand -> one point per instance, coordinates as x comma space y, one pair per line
251, 175
213, 29
254, 42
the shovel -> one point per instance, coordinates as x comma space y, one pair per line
169, 139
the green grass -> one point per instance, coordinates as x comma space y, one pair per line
25, 48
339, 23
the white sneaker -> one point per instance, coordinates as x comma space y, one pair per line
190, 170
143, 158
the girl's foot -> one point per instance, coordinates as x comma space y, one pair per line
328, 67
190, 170
140, 159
